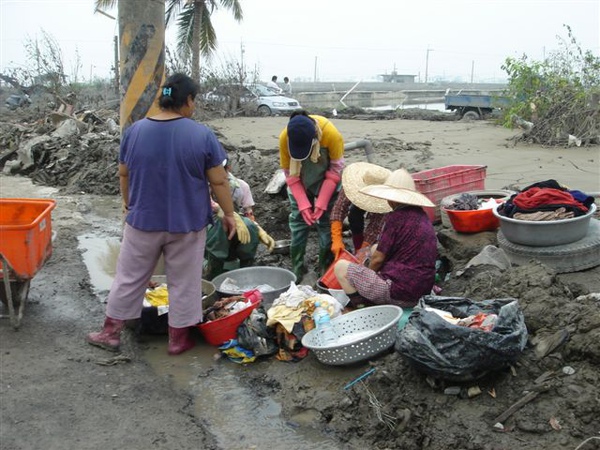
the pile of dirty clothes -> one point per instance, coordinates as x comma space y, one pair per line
278, 330
471, 202
291, 316
225, 307
546, 200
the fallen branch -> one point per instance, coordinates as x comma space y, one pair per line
519, 404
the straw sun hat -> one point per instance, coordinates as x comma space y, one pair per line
358, 175
399, 187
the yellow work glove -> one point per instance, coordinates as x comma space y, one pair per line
265, 238
337, 244
242, 230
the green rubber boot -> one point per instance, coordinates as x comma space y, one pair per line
213, 267
297, 254
325, 260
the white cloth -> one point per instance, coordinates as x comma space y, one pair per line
272, 85
240, 193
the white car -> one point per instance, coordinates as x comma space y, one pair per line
267, 101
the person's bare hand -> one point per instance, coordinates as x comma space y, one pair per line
229, 226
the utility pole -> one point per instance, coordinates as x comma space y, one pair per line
142, 57
242, 72
116, 65
315, 75
472, 70
116, 53
427, 63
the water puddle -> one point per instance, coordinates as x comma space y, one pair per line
236, 415
100, 257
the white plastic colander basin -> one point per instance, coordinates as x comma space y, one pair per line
363, 334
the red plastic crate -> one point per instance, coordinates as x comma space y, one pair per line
438, 183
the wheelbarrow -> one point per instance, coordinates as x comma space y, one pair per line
25, 246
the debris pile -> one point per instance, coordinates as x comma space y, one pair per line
78, 154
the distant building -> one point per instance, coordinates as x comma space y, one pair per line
395, 77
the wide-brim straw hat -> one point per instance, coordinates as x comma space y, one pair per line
358, 175
399, 187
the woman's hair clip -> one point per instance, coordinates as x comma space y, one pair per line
167, 91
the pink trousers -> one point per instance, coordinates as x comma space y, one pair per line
139, 254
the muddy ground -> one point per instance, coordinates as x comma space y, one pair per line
57, 392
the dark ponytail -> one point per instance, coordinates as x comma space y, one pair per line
174, 93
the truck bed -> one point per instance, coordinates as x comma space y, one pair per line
475, 101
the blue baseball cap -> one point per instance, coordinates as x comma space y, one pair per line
301, 132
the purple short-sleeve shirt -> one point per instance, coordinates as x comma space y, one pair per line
167, 163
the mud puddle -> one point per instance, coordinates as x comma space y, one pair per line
237, 416
100, 257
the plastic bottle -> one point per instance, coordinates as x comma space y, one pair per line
325, 331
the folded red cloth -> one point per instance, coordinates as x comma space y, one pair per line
535, 197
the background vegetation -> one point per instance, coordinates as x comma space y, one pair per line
559, 96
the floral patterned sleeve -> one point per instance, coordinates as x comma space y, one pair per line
374, 227
340, 208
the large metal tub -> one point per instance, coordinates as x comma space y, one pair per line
248, 278
547, 233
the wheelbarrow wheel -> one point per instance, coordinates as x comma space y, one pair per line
19, 291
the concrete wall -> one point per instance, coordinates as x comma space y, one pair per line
373, 94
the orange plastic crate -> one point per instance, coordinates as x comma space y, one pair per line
438, 183
25, 234
329, 279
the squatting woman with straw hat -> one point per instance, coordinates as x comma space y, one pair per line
353, 204
402, 268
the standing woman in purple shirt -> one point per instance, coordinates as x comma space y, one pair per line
402, 268
166, 163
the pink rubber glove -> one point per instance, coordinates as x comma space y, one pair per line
299, 195
328, 187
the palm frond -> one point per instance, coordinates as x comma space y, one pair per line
235, 7
105, 4
208, 36
185, 29
172, 9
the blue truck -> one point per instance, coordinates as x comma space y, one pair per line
475, 106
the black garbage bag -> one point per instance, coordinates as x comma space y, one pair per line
254, 334
459, 353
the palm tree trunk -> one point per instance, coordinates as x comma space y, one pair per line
142, 62
198, 9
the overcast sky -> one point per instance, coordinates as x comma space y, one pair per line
333, 39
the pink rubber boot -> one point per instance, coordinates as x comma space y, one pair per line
110, 336
179, 340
